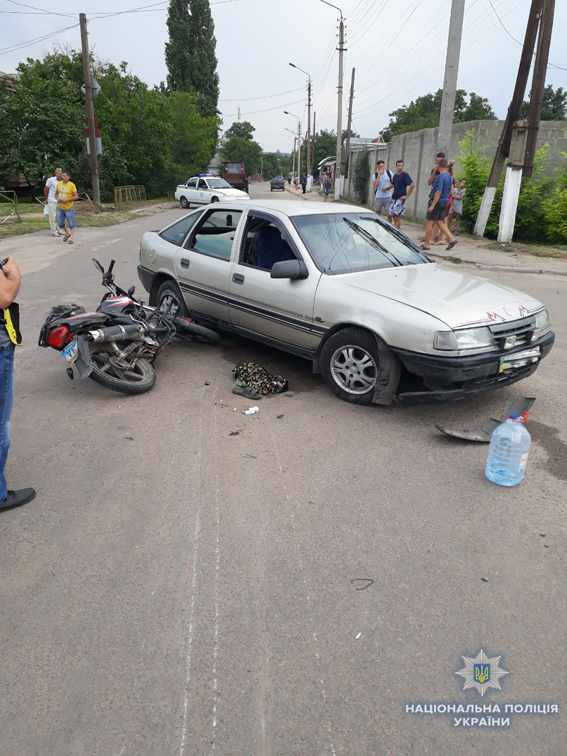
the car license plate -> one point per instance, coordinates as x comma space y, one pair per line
71, 351
519, 359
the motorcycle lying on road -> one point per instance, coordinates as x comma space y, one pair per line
117, 345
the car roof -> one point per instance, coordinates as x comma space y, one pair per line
304, 207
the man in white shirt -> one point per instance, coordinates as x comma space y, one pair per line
51, 200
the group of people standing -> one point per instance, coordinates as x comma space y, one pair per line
392, 190
60, 196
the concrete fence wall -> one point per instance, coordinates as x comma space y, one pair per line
418, 149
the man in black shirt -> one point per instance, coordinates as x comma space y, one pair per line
403, 187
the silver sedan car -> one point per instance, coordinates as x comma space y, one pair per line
339, 286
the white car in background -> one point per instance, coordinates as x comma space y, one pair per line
202, 190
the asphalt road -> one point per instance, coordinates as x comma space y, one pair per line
178, 590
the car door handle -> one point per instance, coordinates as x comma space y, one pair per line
184, 262
238, 278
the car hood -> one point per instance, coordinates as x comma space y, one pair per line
232, 193
457, 298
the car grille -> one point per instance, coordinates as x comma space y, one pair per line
523, 330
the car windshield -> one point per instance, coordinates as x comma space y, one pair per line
218, 184
354, 242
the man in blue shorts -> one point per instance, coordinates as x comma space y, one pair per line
438, 206
403, 187
66, 195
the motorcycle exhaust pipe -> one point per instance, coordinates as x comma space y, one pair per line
116, 333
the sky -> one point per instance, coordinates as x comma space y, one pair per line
398, 49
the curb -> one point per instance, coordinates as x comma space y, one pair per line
501, 268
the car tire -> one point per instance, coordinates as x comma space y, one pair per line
359, 367
183, 202
170, 290
214, 199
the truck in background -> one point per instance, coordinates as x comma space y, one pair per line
234, 172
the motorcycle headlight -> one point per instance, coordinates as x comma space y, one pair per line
470, 338
542, 324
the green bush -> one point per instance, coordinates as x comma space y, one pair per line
555, 207
360, 178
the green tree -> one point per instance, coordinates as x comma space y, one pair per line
190, 54
361, 176
42, 122
424, 113
239, 145
149, 136
554, 104
555, 206
325, 146
242, 129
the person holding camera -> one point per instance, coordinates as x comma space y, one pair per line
10, 337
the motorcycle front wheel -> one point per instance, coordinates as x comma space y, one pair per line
135, 377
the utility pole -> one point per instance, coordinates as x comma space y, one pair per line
299, 150
308, 163
313, 153
349, 123
513, 115
538, 83
451, 75
238, 111
90, 111
339, 111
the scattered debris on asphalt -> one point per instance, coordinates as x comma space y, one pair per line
358, 636
250, 375
361, 584
248, 456
484, 434
251, 411
484, 580
279, 417
128, 438
236, 432
207, 383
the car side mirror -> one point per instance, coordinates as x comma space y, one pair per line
293, 269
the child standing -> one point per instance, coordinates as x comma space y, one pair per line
457, 208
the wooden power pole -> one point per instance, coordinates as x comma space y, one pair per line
451, 75
513, 115
90, 111
349, 123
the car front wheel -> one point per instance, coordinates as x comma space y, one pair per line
183, 202
359, 367
214, 199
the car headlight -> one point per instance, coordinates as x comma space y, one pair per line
471, 338
542, 324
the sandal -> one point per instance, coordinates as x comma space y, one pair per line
247, 391
70, 241
65, 238
424, 248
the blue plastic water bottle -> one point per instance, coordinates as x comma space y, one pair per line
508, 452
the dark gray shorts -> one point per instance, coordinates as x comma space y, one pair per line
438, 212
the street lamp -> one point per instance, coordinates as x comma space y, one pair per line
309, 167
298, 140
340, 100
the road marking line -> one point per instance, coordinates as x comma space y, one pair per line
106, 244
302, 568
196, 541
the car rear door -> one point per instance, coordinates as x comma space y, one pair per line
279, 310
203, 264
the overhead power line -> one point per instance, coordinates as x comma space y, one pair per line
20, 45
261, 97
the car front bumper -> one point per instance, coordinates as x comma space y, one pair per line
146, 276
454, 378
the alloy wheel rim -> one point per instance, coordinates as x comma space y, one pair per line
166, 300
354, 369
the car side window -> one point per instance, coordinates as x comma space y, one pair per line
203, 184
264, 244
176, 233
215, 233
192, 183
